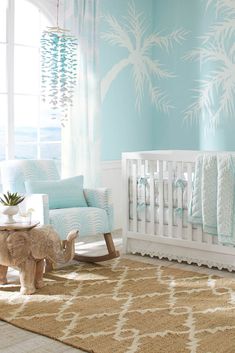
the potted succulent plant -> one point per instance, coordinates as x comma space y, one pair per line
10, 202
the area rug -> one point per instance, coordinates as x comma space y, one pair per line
124, 306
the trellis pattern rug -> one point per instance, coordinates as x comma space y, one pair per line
124, 306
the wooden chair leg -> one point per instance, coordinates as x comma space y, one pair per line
112, 252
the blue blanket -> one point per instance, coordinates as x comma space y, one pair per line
212, 203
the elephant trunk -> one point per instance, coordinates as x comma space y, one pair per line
69, 250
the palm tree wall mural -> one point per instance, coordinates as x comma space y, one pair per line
183, 52
214, 99
131, 33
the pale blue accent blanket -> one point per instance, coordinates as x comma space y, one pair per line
212, 203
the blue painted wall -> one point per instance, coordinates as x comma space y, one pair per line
193, 44
217, 125
172, 131
123, 128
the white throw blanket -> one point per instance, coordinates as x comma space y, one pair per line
212, 202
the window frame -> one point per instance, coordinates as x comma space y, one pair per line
10, 93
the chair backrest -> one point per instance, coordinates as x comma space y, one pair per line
15, 172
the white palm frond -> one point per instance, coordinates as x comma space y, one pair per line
203, 102
215, 97
231, 53
208, 3
202, 54
177, 37
198, 110
156, 69
206, 105
130, 33
226, 85
192, 114
227, 101
214, 3
139, 74
212, 53
117, 34
221, 57
166, 42
225, 7
220, 31
136, 24
193, 55
160, 99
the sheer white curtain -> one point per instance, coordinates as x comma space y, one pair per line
81, 134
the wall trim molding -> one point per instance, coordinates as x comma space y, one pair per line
116, 164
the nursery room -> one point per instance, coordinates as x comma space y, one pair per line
117, 176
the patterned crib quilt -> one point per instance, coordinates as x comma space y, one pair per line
212, 203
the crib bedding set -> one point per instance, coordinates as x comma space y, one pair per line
189, 200
212, 202
143, 199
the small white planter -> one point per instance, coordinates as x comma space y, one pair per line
9, 212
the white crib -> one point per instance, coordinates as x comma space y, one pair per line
157, 188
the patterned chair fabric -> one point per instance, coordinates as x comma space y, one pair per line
89, 220
15, 172
95, 219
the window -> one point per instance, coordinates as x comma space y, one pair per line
26, 127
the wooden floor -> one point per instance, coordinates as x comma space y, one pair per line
15, 340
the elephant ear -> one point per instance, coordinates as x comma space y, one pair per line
44, 242
18, 244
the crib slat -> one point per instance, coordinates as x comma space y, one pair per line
126, 200
134, 193
139, 197
152, 197
189, 193
170, 203
200, 235
210, 238
161, 204
179, 201
143, 214
197, 233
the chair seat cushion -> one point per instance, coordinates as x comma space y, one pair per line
88, 220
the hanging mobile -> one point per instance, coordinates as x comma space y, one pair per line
58, 69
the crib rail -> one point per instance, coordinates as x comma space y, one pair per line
157, 189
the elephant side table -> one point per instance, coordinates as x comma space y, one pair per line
26, 249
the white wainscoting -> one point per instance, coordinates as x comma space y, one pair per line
111, 177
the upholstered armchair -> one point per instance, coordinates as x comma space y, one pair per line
93, 216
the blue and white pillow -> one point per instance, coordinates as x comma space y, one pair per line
64, 193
